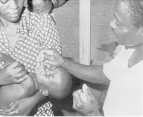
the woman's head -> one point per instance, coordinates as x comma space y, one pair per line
128, 22
10, 10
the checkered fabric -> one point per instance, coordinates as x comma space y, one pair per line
45, 110
36, 32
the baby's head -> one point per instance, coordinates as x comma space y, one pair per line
40, 6
58, 83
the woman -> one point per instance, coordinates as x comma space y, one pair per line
12, 20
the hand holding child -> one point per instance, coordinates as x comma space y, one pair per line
13, 71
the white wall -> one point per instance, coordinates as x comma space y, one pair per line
68, 25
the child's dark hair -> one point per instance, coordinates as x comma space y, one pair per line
31, 4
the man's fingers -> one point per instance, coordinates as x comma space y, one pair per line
49, 66
48, 57
49, 52
49, 62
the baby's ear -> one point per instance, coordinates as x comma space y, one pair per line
44, 92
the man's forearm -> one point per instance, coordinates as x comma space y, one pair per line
90, 73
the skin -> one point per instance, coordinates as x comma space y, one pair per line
10, 14
46, 5
57, 82
127, 35
10, 11
17, 91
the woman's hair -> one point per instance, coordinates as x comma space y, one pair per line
134, 11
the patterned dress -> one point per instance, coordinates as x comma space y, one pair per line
36, 32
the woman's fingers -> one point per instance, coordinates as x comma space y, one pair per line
3, 113
13, 113
21, 74
13, 65
13, 106
19, 80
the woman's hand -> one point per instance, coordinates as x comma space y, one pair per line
12, 73
84, 102
21, 107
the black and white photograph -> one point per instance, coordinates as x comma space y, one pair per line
71, 57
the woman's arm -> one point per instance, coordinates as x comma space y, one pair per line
24, 106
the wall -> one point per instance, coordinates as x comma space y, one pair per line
68, 25
67, 18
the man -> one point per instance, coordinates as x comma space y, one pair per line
124, 72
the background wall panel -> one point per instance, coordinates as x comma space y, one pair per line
67, 18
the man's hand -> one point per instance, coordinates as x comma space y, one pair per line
41, 76
84, 102
52, 57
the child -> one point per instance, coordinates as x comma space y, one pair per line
38, 6
12, 92
36, 32
57, 83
